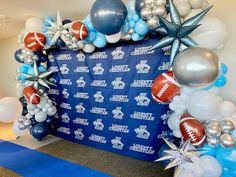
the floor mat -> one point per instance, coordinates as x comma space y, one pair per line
30, 163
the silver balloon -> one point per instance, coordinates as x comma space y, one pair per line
213, 142
214, 122
227, 141
27, 123
227, 126
21, 119
153, 22
213, 131
161, 2
146, 13
196, 67
158, 10
21, 126
149, 3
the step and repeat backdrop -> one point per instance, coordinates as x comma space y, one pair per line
104, 98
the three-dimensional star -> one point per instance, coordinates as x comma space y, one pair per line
57, 29
176, 32
39, 78
179, 156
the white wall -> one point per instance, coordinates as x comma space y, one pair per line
224, 10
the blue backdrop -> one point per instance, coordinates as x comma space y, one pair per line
104, 99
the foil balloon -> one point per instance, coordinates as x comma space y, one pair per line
108, 16
196, 67
139, 4
35, 41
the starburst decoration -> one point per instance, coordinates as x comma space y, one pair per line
179, 156
39, 78
58, 30
176, 32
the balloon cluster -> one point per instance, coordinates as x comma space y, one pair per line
134, 27
151, 10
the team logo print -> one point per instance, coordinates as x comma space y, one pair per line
64, 57
53, 92
166, 116
118, 83
80, 56
119, 128
80, 108
98, 55
64, 130
65, 82
79, 134
117, 113
65, 106
101, 111
80, 82
64, 69
142, 116
98, 125
81, 121
82, 95
142, 99
142, 132
98, 97
142, 149
54, 68
119, 69
99, 83
142, 51
165, 66
82, 69
141, 83
118, 54
116, 143
98, 69
65, 118
51, 58
65, 94
119, 98
143, 67
97, 138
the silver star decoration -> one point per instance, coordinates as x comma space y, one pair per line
39, 78
58, 30
179, 156
176, 32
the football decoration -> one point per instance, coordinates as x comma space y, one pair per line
165, 87
192, 129
79, 30
31, 95
35, 41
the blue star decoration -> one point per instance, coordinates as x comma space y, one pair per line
176, 32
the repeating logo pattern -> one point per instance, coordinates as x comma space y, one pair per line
104, 98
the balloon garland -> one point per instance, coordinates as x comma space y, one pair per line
200, 118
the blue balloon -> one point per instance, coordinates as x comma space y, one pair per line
209, 150
135, 17
22, 78
129, 17
100, 41
31, 71
49, 120
43, 58
91, 37
66, 21
125, 28
224, 68
108, 16
16, 55
221, 81
60, 43
47, 21
41, 68
23, 102
40, 131
141, 27
132, 24
139, 4
131, 7
135, 37
24, 69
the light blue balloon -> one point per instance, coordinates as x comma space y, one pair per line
24, 69
141, 37
224, 68
209, 150
129, 17
91, 37
131, 7
41, 68
22, 78
141, 27
221, 81
100, 41
31, 71
47, 20
125, 28
44, 29
135, 37
226, 157
135, 17
132, 24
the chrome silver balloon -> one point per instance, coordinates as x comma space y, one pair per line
21, 119
196, 67
158, 10
227, 126
146, 13
21, 126
213, 142
149, 3
27, 123
153, 22
227, 141
213, 131
160, 2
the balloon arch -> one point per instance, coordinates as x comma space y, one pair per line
202, 121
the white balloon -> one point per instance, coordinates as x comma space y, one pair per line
227, 108
212, 29
51, 111
183, 8
196, 4
173, 121
177, 133
210, 166
89, 48
16, 130
31, 107
215, 90
42, 103
10, 109
203, 105
40, 116
113, 38
34, 24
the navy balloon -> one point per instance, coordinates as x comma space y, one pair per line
66, 21
108, 16
16, 55
33, 122
23, 102
49, 120
139, 4
40, 131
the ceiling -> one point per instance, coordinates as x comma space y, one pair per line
13, 13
